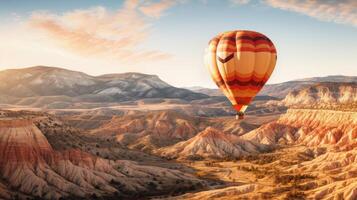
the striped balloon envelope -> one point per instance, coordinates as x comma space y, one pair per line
240, 63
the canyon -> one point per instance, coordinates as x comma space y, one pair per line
81, 139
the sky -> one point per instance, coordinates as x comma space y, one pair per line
168, 37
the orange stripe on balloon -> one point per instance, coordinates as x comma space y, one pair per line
256, 50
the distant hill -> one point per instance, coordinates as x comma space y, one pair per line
41, 81
218, 93
280, 90
207, 91
334, 78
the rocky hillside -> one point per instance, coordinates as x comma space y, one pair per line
338, 175
316, 159
313, 174
323, 95
147, 131
31, 168
210, 143
310, 127
60, 83
155, 129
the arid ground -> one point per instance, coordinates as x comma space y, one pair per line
71, 141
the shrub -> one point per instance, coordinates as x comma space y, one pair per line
152, 185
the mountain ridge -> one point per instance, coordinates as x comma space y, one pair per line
53, 81
280, 90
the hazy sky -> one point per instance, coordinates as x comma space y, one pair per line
168, 37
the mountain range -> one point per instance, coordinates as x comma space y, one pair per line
51, 81
58, 88
280, 90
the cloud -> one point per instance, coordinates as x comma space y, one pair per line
156, 9
339, 11
98, 32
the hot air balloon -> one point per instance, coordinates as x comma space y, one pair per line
240, 63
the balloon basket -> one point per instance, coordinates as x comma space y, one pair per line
239, 116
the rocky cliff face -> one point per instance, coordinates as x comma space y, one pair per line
30, 167
282, 89
323, 95
310, 127
21, 142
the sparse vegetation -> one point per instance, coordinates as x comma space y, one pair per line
261, 159
285, 179
194, 157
